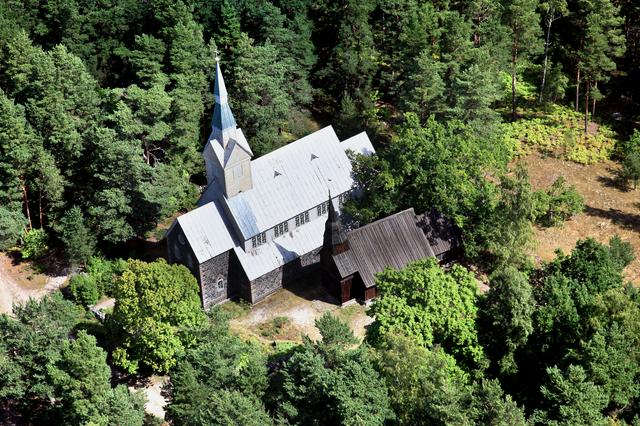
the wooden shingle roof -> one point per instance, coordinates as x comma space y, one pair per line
440, 232
391, 242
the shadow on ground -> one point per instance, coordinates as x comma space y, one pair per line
309, 286
614, 180
618, 217
141, 249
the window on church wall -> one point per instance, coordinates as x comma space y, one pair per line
281, 228
259, 240
177, 253
342, 198
237, 171
220, 284
302, 218
322, 208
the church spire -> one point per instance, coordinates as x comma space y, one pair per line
227, 154
335, 239
223, 124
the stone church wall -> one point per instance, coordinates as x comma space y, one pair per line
179, 250
211, 271
267, 284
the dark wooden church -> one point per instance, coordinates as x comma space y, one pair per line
351, 259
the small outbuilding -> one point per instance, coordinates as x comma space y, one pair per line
351, 259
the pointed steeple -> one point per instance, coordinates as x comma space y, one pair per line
223, 125
335, 238
227, 154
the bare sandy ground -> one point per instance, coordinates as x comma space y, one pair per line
302, 304
10, 291
18, 283
610, 208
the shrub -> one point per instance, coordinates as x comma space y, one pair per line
621, 251
558, 203
84, 289
35, 244
274, 327
559, 130
631, 167
104, 272
78, 239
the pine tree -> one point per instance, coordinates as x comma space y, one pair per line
259, 98
77, 238
603, 42
553, 10
348, 59
523, 21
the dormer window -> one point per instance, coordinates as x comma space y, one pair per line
281, 228
259, 240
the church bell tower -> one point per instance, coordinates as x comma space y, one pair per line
227, 154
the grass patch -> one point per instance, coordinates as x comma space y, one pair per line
274, 328
346, 314
282, 347
159, 233
560, 131
235, 309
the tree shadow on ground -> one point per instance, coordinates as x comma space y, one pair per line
618, 217
141, 249
52, 264
614, 180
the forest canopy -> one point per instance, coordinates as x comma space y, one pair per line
105, 108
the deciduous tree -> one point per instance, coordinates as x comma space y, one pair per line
157, 309
429, 305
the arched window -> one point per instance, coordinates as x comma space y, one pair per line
220, 284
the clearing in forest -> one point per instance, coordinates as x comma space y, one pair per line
610, 207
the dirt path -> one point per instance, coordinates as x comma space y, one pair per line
18, 284
10, 291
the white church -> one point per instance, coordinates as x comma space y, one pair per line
260, 223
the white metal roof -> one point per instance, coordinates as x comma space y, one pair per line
359, 144
206, 231
306, 170
281, 250
293, 179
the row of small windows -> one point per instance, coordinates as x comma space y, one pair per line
281, 228
322, 208
259, 239
302, 218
